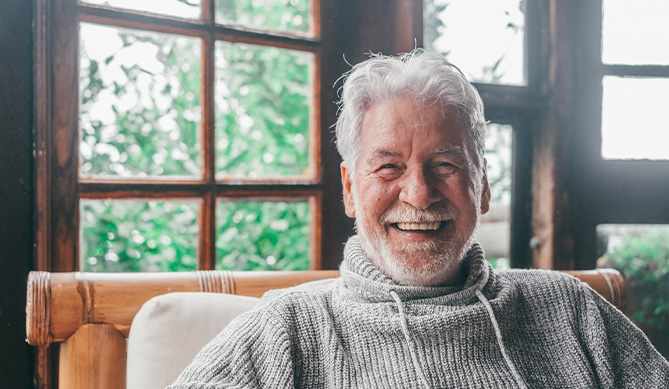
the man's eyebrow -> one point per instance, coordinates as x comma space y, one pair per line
382, 153
452, 150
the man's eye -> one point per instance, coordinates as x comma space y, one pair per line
388, 171
445, 167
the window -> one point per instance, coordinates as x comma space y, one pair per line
487, 40
181, 135
631, 124
636, 80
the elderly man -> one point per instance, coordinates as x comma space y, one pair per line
417, 305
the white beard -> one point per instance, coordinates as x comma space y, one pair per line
428, 263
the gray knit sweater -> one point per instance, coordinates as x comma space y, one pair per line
512, 329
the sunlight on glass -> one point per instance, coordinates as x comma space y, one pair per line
484, 38
633, 124
138, 235
282, 15
494, 232
263, 111
187, 9
139, 103
269, 235
635, 32
641, 253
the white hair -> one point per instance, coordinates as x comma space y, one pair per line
427, 77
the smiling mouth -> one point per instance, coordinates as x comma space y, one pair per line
419, 227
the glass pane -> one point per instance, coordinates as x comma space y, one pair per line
138, 235
632, 109
187, 9
484, 38
268, 235
263, 110
285, 15
494, 232
641, 253
635, 32
139, 103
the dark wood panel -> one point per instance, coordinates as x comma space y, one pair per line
64, 136
338, 22
16, 189
158, 189
510, 97
636, 70
207, 216
551, 213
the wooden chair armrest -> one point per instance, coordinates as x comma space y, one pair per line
609, 283
59, 303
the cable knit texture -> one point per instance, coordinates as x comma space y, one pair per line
511, 329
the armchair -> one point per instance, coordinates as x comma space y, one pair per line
90, 315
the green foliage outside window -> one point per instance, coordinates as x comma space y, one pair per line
131, 236
140, 103
262, 111
262, 235
287, 15
644, 260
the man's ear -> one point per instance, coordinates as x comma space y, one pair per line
485, 193
349, 203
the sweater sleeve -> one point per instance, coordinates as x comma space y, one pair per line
253, 351
621, 355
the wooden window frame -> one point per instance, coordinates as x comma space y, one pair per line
606, 191
59, 187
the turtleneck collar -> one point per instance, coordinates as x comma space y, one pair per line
364, 281
369, 283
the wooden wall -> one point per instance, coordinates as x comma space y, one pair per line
16, 189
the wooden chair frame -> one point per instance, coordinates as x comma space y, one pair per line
90, 314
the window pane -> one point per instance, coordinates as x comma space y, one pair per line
641, 253
632, 112
268, 235
494, 231
138, 235
139, 103
484, 38
635, 32
263, 99
189, 9
286, 15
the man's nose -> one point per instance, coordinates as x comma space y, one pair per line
419, 190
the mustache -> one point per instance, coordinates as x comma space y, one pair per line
407, 214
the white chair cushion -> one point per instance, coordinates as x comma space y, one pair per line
169, 330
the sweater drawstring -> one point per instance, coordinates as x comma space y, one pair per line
407, 336
498, 334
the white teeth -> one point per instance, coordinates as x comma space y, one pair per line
419, 226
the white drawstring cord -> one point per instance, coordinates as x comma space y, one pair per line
498, 334
407, 336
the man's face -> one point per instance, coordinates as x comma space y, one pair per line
415, 191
